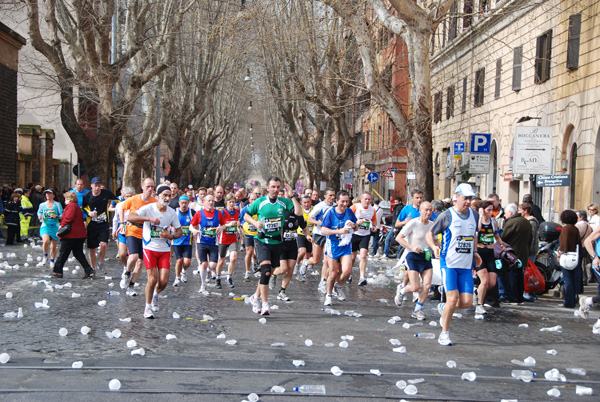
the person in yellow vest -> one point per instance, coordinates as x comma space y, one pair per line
26, 212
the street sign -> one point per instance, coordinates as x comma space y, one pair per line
481, 143
393, 169
479, 163
459, 148
533, 150
411, 176
388, 173
372, 177
553, 180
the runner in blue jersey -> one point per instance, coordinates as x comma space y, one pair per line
458, 226
204, 226
182, 247
338, 225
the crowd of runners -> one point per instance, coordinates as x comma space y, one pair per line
283, 234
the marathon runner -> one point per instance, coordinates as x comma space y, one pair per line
271, 212
157, 218
458, 226
316, 218
305, 246
204, 226
118, 231
182, 247
250, 233
95, 204
366, 224
412, 237
289, 252
219, 193
133, 235
228, 230
337, 225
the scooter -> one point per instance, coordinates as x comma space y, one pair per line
546, 261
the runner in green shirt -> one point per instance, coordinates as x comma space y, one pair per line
271, 212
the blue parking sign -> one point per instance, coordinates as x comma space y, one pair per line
459, 148
481, 143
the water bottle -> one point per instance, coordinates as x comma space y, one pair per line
498, 265
427, 253
524, 375
311, 389
425, 335
111, 293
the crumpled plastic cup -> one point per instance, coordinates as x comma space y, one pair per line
336, 371
85, 330
63, 332
114, 385
298, 363
469, 376
131, 343
77, 365
410, 390
4, 358
170, 336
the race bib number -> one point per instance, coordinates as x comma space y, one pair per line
209, 232
155, 232
290, 235
486, 239
272, 225
365, 225
185, 230
231, 229
251, 228
48, 213
100, 218
464, 244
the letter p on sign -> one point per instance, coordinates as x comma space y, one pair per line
481, 143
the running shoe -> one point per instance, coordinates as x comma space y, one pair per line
44, 260
440, 308
282, 296
256, 267
230, 282
419, 315
148, 313
246, 275
480, 310
596, 328
362, 282
302, 270
100, 266
399, 298
183, 276
444, 339
584, 308
130, 291
124, 281
255, 301
155, 302
202, 288
218, 284
340, 292
349, 281
273, 282
328, 301
415, 297
265, 309
323, 286
176, 282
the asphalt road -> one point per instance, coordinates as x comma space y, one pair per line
199, 365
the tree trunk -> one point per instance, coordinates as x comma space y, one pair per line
132, 169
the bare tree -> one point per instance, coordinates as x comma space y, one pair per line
414, 22
78, 47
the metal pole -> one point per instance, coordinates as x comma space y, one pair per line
552, 189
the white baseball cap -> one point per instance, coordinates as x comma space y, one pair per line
465, 189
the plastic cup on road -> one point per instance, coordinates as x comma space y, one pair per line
554, 392
9, 295
583, 391
131, 344
253, 397
63, 332
336, 371
85, 330
469, 376
451, 364
77, 365
410, 390
4, 358
114, 385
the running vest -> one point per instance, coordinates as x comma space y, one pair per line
208, 228
308, 225
184, 221
459, 241
486, 233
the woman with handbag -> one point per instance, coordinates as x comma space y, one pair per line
49, 214
72, 240
568, 256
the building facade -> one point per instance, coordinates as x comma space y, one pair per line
501, 64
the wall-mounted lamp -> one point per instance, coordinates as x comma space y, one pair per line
527, 118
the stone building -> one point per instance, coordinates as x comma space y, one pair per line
10, 43
501, 64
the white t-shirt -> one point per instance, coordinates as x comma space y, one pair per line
379, 213
368, 214
414, 232
150, 233
318, 213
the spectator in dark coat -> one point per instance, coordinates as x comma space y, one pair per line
536, 212
12, 219
516, 232
74, 240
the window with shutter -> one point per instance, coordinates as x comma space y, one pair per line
450, 102
517, 68
573, 42
437, 114
464, 93
498, 78
479, 86
543, 57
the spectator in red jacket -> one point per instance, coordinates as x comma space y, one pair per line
74, 240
